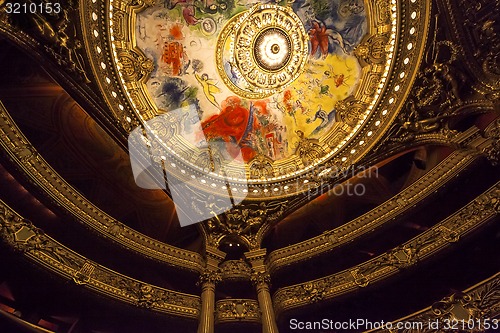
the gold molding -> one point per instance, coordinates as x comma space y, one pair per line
469, 310
48, 253
472, 216
375, 218
43, 176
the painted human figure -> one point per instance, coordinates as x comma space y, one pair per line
234, 125
209, 88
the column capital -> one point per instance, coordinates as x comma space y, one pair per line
259, 278
210, 276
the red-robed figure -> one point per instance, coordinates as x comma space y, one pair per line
233, 125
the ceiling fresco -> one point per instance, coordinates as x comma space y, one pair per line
227, 102
257, 94
256, 74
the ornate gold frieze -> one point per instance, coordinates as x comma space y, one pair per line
21, 235
382, 214
470, 217
235, 270
261, 167
474, 310
21, 152
237, 310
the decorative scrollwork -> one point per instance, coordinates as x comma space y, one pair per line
309, 150
235, 269
437, 90
134, 65
230, 310
315, 292
439, 83
310, 292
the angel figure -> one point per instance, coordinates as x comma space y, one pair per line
209, 88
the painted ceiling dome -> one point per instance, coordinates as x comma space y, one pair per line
249, 95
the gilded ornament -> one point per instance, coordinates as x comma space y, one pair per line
231, 310
267, 47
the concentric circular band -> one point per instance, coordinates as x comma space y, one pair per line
262, 51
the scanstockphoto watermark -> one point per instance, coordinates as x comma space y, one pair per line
352, 325
445, 325
354, 183
154, 166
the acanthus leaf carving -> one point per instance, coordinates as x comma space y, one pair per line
245, 220
210, 276
260, 278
